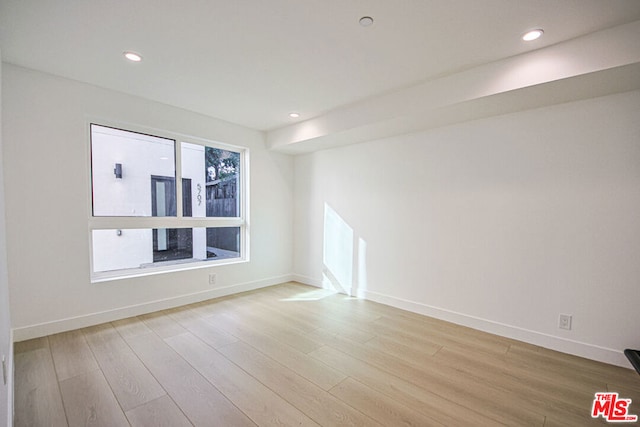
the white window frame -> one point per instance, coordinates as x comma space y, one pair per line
179, 221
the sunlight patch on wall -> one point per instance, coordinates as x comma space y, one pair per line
362, 269
337, 254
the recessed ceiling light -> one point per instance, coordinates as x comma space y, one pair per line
294, 115
132, 56
366, 21
532, 35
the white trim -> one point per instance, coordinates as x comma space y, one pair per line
154, 131
71, 323
133, 222
589, 351
179, 221
108, 276
564, 345
306, 280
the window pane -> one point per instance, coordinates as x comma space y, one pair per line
122, 249
223, 242
193, 181
132, 174
223, 174
172, 243
142, 248
210, 181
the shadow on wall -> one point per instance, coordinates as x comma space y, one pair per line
344, 256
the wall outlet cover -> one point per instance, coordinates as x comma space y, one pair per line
564, 321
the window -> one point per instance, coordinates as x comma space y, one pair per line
144, 220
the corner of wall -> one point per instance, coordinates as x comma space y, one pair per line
6, 333
10, 382
305, 280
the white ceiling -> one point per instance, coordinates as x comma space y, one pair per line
251, 62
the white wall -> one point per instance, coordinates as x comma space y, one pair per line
500, 224
193, 160
47, 199
6, 346
131, 248
140, 156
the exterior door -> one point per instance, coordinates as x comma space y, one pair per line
168, 243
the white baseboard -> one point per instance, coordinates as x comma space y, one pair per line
306, 280
71, 323
589, 351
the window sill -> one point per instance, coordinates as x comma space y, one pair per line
163, 267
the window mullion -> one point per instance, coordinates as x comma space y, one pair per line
105, 223
178, 168
117, 222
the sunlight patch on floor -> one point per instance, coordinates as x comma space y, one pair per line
314, 295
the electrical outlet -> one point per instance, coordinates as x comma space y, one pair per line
565, 322
212, 279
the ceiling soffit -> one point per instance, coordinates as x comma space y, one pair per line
597, 64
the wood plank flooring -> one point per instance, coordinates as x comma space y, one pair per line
293, 355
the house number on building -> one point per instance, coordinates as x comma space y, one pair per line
199, 187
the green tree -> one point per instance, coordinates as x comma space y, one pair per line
221, 164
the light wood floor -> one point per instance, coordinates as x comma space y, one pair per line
295, 355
